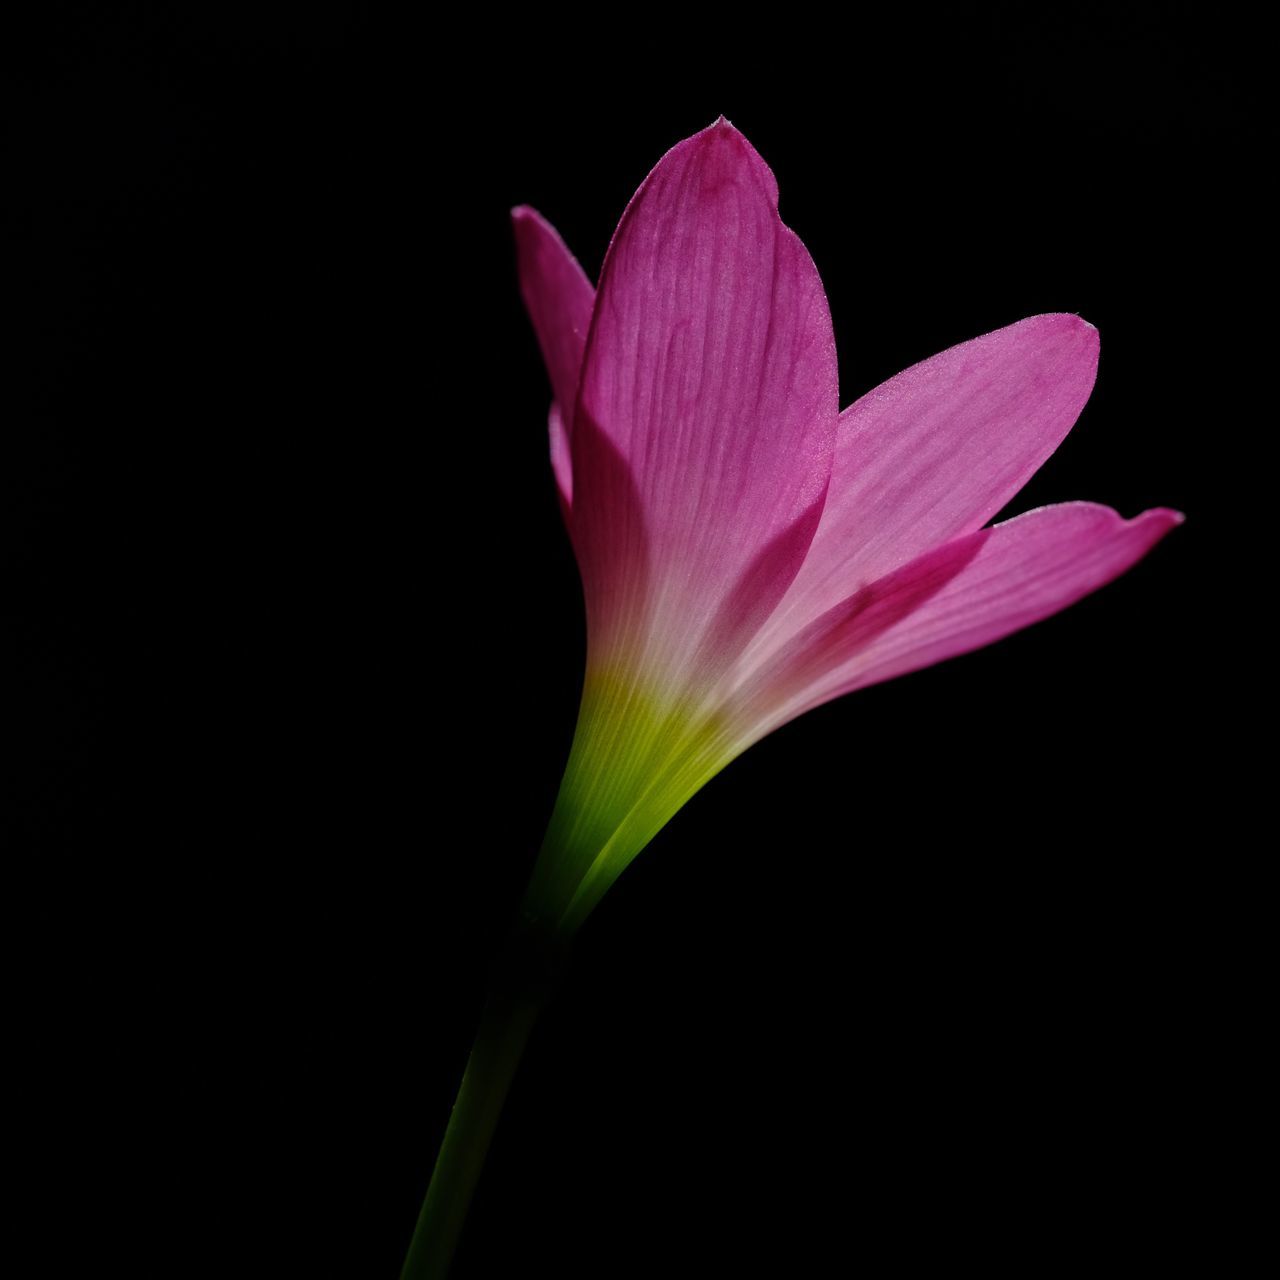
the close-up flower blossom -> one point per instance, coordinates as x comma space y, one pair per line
748, 551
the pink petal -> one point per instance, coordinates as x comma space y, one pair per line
960, 596
938, 450
561, 459
559, 299
705, 421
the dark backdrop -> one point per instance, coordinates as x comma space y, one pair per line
935, 974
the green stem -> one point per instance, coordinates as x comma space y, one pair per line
518, 995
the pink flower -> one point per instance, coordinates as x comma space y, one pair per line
747, 550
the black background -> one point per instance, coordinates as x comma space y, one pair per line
938, 973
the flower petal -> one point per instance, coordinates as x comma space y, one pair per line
710, 380
559, 299
561, 459
967, 593
938, 450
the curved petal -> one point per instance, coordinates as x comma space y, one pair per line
559, 299
561, 459
710, 378
938, 450
967, 593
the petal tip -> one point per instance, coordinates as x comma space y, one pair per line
1086, 333
1156, 524
722, 130
1071, 322
1058, 330
1076, 320
1071, 335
